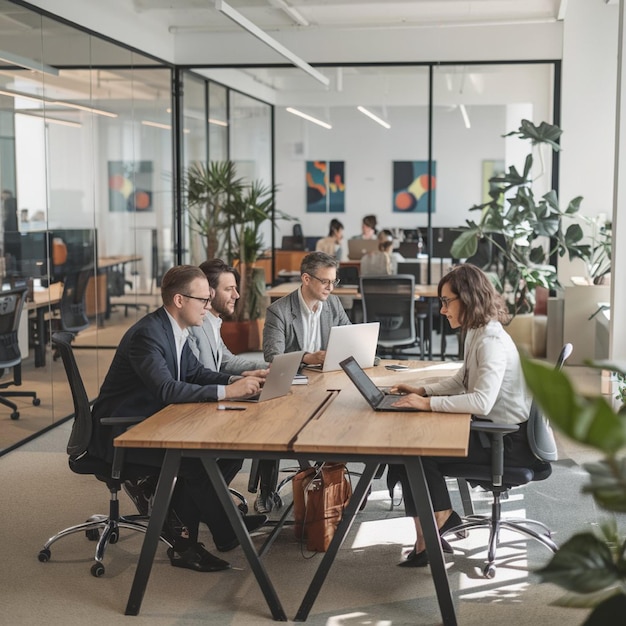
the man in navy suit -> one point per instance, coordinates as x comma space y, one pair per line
154, 367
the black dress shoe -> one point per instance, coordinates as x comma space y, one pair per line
453, 521
415, 559
198, 559
252, 523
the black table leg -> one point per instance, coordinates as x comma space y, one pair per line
221, 488
340, 534
165, 488
424, 506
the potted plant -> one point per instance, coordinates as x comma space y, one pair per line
524, 232
591, 566
229, 213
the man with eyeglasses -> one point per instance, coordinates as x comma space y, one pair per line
153, 367
303, 319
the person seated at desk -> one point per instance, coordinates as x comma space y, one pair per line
303, 319
384, 261
153, 367
332, 244
207, 344
489, 385
368, 228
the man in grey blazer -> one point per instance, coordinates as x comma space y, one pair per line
303, 319
153, 367
206, 341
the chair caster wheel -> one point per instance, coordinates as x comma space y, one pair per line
97, 570
36, 401
243, 508
15, 415
113, 538
92, 534
489, 571
44, 555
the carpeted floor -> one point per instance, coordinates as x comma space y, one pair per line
40, 496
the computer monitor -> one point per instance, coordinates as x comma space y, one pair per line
27, 254
71, 250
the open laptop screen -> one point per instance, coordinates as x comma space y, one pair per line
357, 340
362, 382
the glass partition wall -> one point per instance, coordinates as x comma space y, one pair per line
86, 145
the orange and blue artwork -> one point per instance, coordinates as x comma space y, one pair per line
325, 187
413, 187
130, 186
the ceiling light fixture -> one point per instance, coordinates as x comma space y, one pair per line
294, 14
217, 122
261, 35
466, 119
47, 102
374, 117
162, 126
309, 118
52, 120
26, 63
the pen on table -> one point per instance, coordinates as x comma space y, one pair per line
223, 407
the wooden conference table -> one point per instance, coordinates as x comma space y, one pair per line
325, 420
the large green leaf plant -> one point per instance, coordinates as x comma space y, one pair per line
591, 566
523, 231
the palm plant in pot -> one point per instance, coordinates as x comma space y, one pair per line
229, 213
523, 231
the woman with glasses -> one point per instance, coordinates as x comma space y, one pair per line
489, 385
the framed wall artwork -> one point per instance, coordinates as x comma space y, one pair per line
325, 187
412, 186
130, 186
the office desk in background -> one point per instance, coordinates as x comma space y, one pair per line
44, 300
324, 420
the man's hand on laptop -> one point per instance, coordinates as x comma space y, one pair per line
246, 386
258, 373
314, 358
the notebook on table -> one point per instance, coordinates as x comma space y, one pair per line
375, 396
356, 340
283, 369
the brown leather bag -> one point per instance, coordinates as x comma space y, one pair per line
320, 494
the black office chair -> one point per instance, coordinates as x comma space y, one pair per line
11, 305
103, 528
390, 300
499, 479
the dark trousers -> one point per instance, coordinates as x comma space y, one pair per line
516, 454
194, 499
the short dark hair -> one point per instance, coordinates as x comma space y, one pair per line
480, 302
317, 260
371, 221
178, 280
214, 268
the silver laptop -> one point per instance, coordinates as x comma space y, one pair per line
356, 340
279, 379
358, 247
375, 396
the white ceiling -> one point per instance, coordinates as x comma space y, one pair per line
280, 15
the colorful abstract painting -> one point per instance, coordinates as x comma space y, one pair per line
130, 186
412, 187
325, 187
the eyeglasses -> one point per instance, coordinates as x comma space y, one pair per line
204, 301
326, 281
445, 302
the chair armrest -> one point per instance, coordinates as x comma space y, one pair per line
495, 432
121, 421
118, 454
